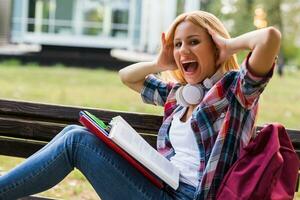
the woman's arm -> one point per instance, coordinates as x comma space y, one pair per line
134, 75
264, 44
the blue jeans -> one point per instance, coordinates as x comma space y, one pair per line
110, 175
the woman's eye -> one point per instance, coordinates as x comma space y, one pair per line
194, 42
177, 44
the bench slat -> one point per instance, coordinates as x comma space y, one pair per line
43, 121
36, 198
24, 148
70, 114
20, 128
37, 130
19, 147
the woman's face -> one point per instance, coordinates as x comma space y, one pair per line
194, 52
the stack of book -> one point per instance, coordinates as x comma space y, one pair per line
124, 140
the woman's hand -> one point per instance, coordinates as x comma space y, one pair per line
223, 50
134, 75
165, 59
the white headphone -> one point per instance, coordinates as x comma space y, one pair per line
193, 94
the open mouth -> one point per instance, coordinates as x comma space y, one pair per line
189, 66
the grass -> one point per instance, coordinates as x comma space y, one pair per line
280, 101
71, 86
103, 89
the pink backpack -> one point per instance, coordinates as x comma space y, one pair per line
266, 169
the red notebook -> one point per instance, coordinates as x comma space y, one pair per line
88, 120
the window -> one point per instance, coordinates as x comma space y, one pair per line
119, 23
50, 16
93, 17
63, 21
38, 16
180, 7
106, 18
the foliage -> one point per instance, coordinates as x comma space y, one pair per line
238, 17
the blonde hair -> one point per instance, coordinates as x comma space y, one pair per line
204, 20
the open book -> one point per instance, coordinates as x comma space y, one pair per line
120, 136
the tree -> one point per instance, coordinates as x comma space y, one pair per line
285, 15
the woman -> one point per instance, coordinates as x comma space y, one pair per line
210, 109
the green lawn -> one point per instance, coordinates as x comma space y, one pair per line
103, 89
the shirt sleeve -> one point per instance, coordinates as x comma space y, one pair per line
155, 91
249, 86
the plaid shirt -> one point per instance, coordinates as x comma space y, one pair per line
223, 123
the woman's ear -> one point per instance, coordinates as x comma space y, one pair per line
217, 53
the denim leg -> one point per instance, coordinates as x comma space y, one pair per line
39, 172
183, 192
111, 176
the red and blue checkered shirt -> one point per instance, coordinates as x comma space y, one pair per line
223, 123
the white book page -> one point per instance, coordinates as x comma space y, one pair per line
129, 140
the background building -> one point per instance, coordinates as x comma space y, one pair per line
4, 21
123, 24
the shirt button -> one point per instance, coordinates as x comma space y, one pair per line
222, 115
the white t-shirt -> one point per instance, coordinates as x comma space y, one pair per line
187, 156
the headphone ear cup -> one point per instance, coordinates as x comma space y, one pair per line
193, 94
179, 97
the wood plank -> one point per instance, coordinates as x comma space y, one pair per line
295, 137
70, 114
35, 130
19, 147
45, 131
23, 148
36, 198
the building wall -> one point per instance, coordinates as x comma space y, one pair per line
157, 16
4, 21
147, 19
76, 23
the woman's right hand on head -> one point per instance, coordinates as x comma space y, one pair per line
223, 49
165, 59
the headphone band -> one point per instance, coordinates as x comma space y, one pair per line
193, 94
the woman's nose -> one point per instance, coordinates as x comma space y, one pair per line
184, 50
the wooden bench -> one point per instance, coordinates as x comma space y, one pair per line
25, 127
